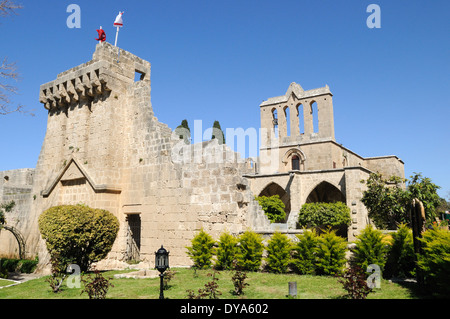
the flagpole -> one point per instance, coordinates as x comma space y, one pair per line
117, 35
100, 41
115, 44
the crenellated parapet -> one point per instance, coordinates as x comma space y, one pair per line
107, 71
84, 82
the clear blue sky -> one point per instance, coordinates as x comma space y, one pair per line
218, 60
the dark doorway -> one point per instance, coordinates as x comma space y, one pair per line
134, 236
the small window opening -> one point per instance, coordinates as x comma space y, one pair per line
275, 122
138, 75
295, 163
287, 116
315, 115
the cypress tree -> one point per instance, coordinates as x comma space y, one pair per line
218, 133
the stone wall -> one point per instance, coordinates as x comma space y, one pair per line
15, 185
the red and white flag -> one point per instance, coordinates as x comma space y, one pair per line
119, 22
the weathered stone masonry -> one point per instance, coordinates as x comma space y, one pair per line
105, 148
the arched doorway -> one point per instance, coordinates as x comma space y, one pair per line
275, 189
325, 193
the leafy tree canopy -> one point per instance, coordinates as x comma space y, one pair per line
273, 207
388, 200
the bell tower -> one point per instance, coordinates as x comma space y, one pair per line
288, 121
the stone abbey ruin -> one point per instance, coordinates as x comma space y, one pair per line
105, 148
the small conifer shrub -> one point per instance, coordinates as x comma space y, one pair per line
202, 250
331, 251
278, 253
370, 249
226, 251
250, 252
305, 253
401, 257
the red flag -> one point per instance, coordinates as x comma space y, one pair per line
101, 35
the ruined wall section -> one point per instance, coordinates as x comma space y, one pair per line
15, 185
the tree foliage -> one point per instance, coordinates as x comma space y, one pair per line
388, 201
202, 250
226, 251
5, 208
370, 248
322, 215
304, 253
278, 253
424, 190
401, 258
8, 70
78, 234
273, 207
434, 260
218, 133
184, 132
250, 252
331, 251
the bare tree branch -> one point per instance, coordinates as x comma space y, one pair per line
8, 70
8, 7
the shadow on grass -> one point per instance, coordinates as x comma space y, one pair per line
421, 291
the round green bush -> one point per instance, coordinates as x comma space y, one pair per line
78, 234
323, 215
273, 207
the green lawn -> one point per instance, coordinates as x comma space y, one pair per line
262, 286
5, 282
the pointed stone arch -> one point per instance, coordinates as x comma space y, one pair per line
325, 192
275, 189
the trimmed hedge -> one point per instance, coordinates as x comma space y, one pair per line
323, 215
78, 234
26, 266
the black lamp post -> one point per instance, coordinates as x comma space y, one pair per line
161, 264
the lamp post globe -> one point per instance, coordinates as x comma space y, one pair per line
162, 259
161, 264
